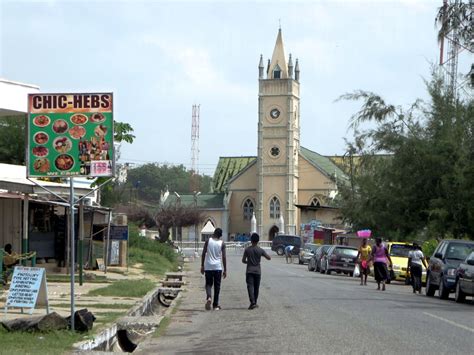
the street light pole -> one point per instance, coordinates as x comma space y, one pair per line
196, 241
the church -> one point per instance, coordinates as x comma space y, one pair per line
286, 186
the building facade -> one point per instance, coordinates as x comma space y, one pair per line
286, 185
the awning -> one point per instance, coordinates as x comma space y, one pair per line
208, 228
315, 208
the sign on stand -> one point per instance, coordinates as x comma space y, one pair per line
28, 289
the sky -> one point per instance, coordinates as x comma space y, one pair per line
159, 58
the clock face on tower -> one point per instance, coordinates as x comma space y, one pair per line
275, 113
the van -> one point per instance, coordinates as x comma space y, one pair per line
281, 241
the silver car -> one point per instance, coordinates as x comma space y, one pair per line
307, 253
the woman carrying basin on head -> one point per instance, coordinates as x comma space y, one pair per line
363, 258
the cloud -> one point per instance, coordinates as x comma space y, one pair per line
197, 73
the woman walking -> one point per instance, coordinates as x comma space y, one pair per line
380, 256
363, 258
416, 261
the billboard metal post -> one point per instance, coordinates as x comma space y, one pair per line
71, 231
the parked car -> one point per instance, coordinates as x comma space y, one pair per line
315, 262
339, 258
441, 273
281, 241
465, 279
307, 253
399, 254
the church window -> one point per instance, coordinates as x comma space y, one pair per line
274, 208
275, 151
248, 209
277, 72
315, 202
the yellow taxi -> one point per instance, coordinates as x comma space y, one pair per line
399, 254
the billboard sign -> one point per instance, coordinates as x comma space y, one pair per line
70, 135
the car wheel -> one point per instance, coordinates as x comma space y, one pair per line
443, 291
300, 262
351, 274
280, 251
429, 289
317, 268
459, 296
310, 268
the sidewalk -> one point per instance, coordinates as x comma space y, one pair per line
59, 296
192, 329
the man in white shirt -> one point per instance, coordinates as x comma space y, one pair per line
213, 259
416, 260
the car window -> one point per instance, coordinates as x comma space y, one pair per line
458, 251
346, 252
326, 248
400, 250
471, 256
441, 248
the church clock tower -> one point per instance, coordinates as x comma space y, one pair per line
278, 143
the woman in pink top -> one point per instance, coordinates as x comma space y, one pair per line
380, 256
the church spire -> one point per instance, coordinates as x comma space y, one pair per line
278, 66
260, 67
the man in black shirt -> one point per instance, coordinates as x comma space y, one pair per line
251, 257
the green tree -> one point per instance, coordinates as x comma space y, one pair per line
424, 185
12, 140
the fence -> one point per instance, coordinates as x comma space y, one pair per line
196, 246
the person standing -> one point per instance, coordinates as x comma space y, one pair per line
380, 256
252, 256
213, 260
416, 260
289, 253
363, 257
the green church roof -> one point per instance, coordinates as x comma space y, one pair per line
227, 168
324, 164
204, 201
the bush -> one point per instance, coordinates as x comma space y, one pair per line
150, 245
429, 247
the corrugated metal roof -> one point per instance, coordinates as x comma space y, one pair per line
227, 168
204, 201
325, 165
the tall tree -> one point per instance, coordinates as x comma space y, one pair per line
425, 183
12, 140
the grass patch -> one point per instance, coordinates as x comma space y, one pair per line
95, 305
165, 322
108, 317
57, 342
156, 257
67, 278
125, 288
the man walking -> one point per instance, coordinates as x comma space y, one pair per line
212, 260
251, 257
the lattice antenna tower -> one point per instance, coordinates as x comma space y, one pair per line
195, 146
450, 47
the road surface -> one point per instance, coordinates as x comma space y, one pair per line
307, 312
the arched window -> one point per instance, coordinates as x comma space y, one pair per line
248, 209
277, 72
274, 208
315, 202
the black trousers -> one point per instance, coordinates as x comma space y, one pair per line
416, 271
253, 284
213, 278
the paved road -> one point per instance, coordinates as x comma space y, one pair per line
307, 312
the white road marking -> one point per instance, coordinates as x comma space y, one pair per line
450, 322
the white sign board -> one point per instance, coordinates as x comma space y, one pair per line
28, 288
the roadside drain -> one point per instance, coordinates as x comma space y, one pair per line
142, 320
